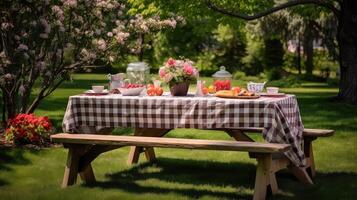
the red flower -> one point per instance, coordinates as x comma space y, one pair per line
28, 128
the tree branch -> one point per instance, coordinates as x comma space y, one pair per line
288, 4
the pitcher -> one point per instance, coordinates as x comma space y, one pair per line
199, 87
116, 80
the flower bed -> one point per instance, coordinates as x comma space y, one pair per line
28, 129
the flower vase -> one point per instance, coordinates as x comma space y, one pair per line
179, 89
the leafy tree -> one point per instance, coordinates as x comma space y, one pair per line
346, 13
208, 38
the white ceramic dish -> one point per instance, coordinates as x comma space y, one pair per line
272, 90
93, 93
272, 95
131, 91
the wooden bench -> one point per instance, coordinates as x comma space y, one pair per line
309, 136
84, 148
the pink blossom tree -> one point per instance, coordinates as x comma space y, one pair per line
43, 41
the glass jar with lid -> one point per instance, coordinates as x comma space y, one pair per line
138, 73
222, 79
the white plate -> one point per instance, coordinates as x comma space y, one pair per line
272, 94
91, 92
131, 91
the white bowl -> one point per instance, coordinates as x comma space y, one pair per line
131, 91
272, 90
255, 87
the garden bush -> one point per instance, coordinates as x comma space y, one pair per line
28, 129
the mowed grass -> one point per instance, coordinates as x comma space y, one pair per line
187, 174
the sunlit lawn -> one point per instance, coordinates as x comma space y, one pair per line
187, 174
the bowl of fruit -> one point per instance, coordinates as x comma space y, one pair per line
131, 89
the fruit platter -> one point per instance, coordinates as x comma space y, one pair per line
237, 93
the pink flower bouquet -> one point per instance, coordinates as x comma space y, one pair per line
178, 71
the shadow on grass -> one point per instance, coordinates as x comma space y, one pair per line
334, 185
12, 156
321, 112
188, 172
195, 179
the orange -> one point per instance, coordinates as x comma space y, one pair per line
205, 90
211, 89
159, 91
151, 91
236, 90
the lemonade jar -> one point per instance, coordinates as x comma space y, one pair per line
138, 73
222, 79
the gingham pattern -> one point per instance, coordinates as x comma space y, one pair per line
280, 117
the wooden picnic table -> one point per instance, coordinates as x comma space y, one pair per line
278, 120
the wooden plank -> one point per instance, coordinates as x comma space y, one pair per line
318, 132
135, 152
170, 143
92, 153
262, 177
87, 175
301, 175
71, 169
134, 155
308, 150
251, 129
150, 154
307, 132
238, 135
279, 164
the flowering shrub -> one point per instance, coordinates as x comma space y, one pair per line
178, 71
27, 128
45, 41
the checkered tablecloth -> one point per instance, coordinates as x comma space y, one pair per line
280, 117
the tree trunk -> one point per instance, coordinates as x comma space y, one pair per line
299, 55
273, 58
10, 105
309, 48
347, 39
141, 47
24, 100
3, 110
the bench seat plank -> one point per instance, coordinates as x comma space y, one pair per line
307, 132
318, 132
169, 143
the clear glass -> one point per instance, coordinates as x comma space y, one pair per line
138, 73
222, 79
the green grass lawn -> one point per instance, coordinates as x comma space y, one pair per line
187, 174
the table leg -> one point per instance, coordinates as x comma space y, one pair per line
134, 155
71, 169
263, 177
238, 135
79, 162
149, 151
301, 175
308, 150
87, 175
